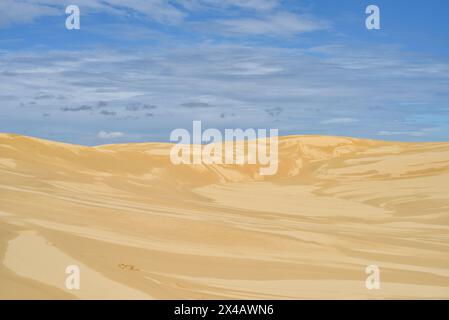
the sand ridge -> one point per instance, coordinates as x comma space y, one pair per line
142, 228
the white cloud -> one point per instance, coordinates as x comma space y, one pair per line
109, 135
257, 5
25, 11
280, 23
415, 133
250, 17
231, 79
261, 5
13, 11
253, 69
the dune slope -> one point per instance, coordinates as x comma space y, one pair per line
141, 228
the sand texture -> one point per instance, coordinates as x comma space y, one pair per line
140, 227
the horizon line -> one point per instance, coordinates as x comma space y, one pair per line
174, 143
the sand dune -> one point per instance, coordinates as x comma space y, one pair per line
142, 228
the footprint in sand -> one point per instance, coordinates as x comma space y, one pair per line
129, 267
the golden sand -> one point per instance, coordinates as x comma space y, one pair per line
141, 228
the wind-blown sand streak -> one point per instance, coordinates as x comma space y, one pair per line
140, 227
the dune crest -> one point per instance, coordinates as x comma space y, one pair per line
146, 228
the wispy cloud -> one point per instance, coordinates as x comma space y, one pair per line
413, 133
110, 135
195, 104
101, 104
25, 11
241, 17
257, 5
13, 11
75, 109
199, 82
339, 121
137, 106
108, 113
281, 23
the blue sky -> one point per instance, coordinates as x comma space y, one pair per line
138, 69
